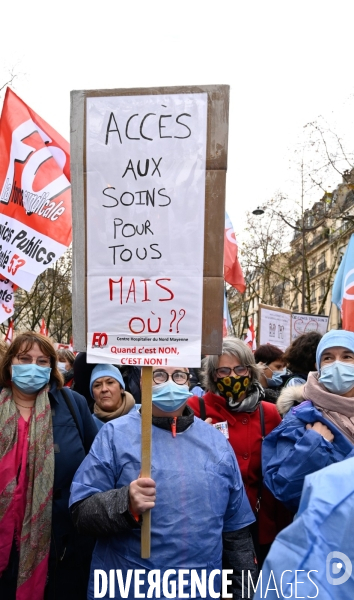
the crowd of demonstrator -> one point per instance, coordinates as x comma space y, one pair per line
232, 443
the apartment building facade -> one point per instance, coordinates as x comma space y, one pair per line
319, 242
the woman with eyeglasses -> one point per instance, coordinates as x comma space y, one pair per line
199, 510
45, 433
234, 404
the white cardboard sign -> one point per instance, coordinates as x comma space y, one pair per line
301, 323
145, 159
275, 327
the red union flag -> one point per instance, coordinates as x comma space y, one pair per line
35, 198
232, 268
43, 329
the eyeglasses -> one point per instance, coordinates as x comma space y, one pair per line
26, 359
179, 377
226, 371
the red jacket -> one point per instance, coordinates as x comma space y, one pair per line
245, 437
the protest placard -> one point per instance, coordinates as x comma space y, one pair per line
145, 158
274, 326
148, 170
301, 323
151, 159
35, 198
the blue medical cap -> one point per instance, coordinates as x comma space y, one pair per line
106, 371
335, 337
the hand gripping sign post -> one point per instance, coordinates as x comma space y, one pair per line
148, 175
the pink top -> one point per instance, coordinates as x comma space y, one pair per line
19, 504
13, 466
14, 470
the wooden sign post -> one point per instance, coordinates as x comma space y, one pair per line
148, 170
146, 417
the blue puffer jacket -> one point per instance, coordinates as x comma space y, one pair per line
313, 557
290, 452
199, 495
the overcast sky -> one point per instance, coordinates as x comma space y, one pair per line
286, 62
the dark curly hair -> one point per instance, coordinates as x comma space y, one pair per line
267, 353
300, 356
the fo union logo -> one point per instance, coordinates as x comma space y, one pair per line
338, 563
99, 339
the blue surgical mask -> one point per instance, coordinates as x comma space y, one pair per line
276, 379
30, 378
169, 396
338, 377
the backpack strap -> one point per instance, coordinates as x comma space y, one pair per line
74, 415
202, 408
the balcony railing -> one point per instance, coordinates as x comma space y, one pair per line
322, 237
294, 258
338, 232
317, 240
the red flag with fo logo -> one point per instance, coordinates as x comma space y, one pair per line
35, 197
